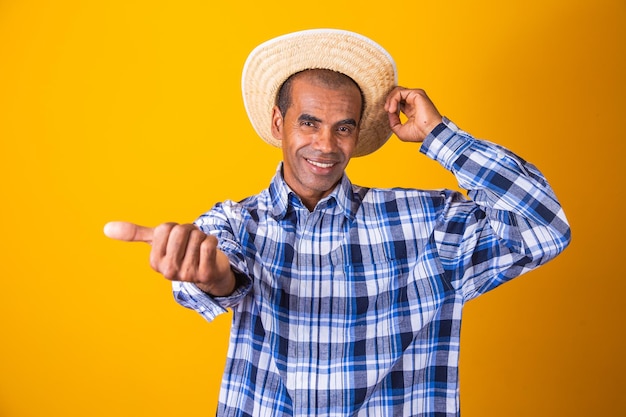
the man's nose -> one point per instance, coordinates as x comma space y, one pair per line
325, 141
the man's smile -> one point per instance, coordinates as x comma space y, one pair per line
321, 164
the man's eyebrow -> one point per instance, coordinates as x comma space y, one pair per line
308, 118
346, 122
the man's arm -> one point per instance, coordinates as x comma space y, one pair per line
514, 222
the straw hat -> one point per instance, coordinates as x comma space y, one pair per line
360, 58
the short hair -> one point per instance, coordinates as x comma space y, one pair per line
327, 77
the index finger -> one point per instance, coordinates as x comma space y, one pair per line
128, 232
393, 99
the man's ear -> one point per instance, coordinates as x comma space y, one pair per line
277, 123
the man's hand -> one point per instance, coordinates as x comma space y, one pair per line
181, 253
422, 115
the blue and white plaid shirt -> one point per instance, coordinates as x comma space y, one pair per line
354, 309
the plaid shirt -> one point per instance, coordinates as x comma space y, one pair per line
354, 309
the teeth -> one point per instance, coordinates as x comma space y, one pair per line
320, 164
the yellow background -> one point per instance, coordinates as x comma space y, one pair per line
131, 110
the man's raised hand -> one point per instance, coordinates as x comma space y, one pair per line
181, 252
422, 115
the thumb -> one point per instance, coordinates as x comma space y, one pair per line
128, 232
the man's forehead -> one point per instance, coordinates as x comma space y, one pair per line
312, 99
311, 87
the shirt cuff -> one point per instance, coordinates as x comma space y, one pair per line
190, 296
446, 143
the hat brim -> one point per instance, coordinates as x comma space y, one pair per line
270, 64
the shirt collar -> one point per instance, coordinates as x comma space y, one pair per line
342, 200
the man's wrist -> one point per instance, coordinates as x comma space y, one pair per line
224, 289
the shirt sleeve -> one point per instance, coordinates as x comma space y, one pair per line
511, 223
216, 222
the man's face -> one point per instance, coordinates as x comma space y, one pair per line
319, 133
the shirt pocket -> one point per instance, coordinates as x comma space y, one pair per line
401, 295
374, 278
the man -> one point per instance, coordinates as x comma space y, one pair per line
347, 300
